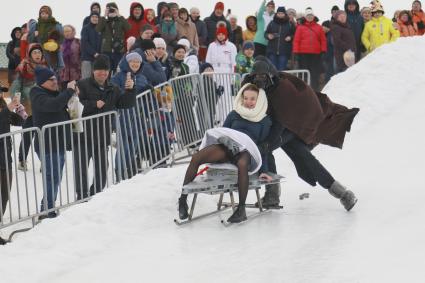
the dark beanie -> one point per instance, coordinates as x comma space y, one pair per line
101, 62
42, 74
112, 4
94, 14
33, 47
248, 45
204, 66
177, 47
146, 27
335, 8
146, 44
281, 9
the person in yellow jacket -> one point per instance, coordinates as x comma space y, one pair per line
379, 30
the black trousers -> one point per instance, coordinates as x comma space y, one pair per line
314, 64
25, 145
82, 156
5, 187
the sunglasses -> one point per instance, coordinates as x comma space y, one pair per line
52, 79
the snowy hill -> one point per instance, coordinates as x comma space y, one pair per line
127, 234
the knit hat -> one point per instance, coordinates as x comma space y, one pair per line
178, 47
160, 42
94, 14
248, 45
185, 42
204, 66
112, 5
335, 8
130, 42
270, 3
146, 44
134, 56
219, 6
281, 9
338, 13
101, 62
222, 30
173, 5
194, 9
146, 27
35, 47
42, 74
376, 6
309, 11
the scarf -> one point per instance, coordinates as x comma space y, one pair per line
67, 50
44, 27
168, 27
254, 115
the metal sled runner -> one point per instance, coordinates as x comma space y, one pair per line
219, 181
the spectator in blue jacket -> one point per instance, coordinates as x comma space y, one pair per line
91, 43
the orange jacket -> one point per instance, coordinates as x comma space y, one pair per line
407, 29
419, 17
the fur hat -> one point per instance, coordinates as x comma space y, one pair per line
160, 42
42, 74
219, 6
101, 62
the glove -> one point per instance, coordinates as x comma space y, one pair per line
421, 25
220, 90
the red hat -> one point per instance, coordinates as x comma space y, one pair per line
219, 6
222, 30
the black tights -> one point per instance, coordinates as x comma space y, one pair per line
220, 154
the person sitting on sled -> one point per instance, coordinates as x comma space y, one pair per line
245, 127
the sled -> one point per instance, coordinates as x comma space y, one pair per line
219, 182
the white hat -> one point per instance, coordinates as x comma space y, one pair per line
185, 42
231, 16
309, 11
159, 42
194, 9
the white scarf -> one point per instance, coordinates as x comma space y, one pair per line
258, 112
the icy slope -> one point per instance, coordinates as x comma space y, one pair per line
126, 234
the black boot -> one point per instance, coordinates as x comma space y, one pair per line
239, 215
183, 208
2, 241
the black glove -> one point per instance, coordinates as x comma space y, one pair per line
421, 25
219, 91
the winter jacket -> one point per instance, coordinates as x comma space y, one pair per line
114, 98
178, 68
280, 29
343, 40
236, 38
152, 23
378, 32
407, 29
168, 31
49, 107
158, 11
140, 81
263, 20
419, 19
211, 23
356, 22
7, 118
46, 27
113, 34
244, 64
166, 65
72, 69
91, 42
249, 34
309, 38
14, 59
187, 29
135, 24
201, 29
222, 56
191, 60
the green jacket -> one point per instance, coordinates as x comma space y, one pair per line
259, 35
243, 64
113, 33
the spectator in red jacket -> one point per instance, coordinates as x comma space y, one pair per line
309, 45
136, 20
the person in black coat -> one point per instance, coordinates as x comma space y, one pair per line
212, 21
13, 53
7, 117
280, 33
49, 107
98, 95
91, 43
94, 8
343, 39
356, 22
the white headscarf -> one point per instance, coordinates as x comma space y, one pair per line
258, 112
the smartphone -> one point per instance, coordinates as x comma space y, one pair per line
229, 11
18, 96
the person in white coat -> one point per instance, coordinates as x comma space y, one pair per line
222, 53
191, 58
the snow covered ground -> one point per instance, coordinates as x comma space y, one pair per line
127, 233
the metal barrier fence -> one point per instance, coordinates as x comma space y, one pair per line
301, 74
165, 121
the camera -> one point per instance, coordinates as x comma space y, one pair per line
111, 10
